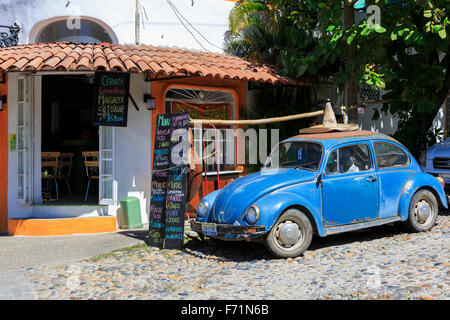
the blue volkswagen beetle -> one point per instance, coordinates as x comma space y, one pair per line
323, 184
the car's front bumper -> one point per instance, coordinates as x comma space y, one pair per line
230, 231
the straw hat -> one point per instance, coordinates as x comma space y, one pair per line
329, 123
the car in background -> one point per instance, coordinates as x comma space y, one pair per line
323, 184
436, 161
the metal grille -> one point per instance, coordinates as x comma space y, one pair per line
368, 94
441, 163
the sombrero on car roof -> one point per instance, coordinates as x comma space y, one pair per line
329, 123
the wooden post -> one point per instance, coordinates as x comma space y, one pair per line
256, 121
137, 23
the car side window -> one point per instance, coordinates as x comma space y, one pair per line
332, 163
354, 158
388, 155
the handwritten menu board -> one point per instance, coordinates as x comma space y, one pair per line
160, 176
111, 98
176, 189
169, 178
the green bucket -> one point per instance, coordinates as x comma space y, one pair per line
130, 213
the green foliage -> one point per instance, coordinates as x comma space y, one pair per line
406, 54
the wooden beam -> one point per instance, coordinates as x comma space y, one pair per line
256, 121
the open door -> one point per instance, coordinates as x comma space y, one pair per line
23, 139
107, 184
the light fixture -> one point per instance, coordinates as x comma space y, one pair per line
150, 101
2, 102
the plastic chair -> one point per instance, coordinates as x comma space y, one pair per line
65, 169
92, 168
49, 171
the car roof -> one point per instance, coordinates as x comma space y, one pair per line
330, 139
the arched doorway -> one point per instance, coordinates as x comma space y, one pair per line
83, 30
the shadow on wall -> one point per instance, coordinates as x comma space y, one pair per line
386, 124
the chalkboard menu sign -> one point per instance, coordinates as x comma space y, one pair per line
111, 92
160, 176
176, 189
167, 208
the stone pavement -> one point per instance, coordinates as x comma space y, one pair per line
18, 253
15, 286
379, 263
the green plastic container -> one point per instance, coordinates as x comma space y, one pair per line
130, 213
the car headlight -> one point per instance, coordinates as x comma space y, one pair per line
252, 214
202, 208
423, 158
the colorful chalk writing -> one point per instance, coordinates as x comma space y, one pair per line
159, 180
111, 98
176, 188
168, 203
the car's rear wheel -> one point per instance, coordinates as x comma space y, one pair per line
291, 234
423, 211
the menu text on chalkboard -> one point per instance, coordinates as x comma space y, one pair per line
160, 175
111, 91
176, 189
169, 178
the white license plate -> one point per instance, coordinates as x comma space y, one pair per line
209, 229
446, 177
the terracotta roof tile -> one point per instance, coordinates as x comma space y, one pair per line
132, 58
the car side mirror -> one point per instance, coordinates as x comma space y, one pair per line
319, 179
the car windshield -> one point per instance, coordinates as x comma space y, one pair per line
304, 155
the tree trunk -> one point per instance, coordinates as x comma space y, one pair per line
351, 86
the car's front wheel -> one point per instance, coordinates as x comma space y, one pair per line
423, 211
291, 234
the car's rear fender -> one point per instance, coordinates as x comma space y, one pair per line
420, 180
274, 204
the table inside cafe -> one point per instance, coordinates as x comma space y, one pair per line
78, 179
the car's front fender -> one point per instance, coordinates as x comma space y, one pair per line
210, 198
418, 181
273, 204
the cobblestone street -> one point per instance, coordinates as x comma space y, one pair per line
379, 263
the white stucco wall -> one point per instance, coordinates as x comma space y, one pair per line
133, 149
162, 28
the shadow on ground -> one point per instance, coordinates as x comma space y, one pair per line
243, 251
140, 234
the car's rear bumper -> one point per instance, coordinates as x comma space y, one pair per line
230, 231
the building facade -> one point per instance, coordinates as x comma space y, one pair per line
48, 112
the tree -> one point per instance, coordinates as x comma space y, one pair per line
405, 53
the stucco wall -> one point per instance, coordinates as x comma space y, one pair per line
133, 148
162, 27
4, 159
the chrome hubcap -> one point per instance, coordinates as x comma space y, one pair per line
288, 234
423, 212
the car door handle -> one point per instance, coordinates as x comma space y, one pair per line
371, 178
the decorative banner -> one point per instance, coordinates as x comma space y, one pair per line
169, 178
160, 176
176, 191
111, 91
203, 111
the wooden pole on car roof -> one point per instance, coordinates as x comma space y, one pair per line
256, 121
